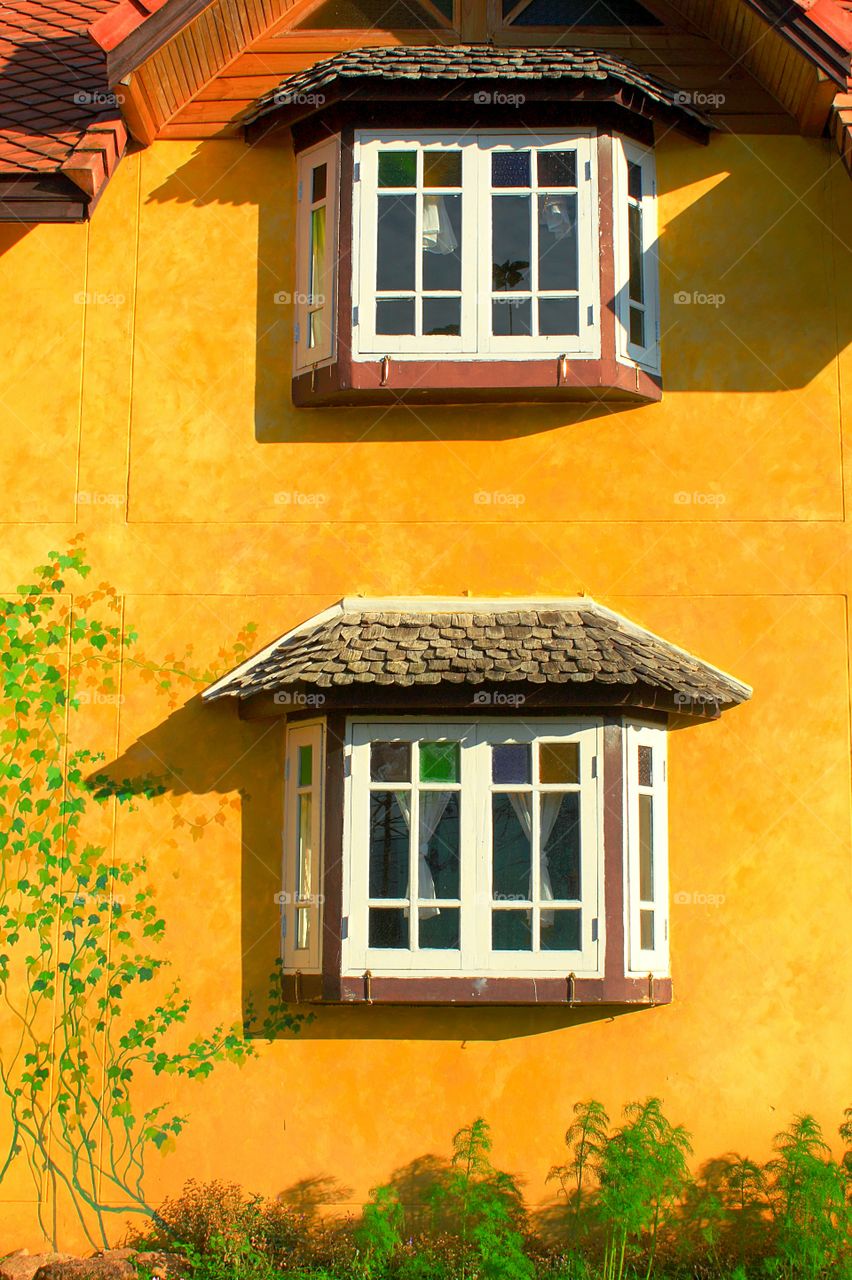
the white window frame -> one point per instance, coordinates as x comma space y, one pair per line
475, 339
475, 957
300, 894
625, 150
304, 299
640, 960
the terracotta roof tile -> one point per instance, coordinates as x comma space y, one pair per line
553, 643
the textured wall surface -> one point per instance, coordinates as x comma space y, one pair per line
144, 401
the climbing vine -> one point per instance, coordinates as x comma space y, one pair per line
87, 1008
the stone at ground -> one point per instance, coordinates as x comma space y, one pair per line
23, 1265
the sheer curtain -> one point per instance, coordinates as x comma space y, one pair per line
521, 802
438, 234
432, 806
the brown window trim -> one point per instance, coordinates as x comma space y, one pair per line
615, 988
378, 380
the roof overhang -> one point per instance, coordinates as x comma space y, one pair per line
419, 653
819, 30
136, 29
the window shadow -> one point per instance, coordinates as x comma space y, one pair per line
206, 750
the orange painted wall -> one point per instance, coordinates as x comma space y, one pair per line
138, 407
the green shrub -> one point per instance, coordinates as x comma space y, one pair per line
809, 1198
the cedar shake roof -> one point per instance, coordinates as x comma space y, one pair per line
61, 131
343, 74
413, 643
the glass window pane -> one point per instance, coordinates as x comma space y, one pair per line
397, 168
306, 755
561, 930
390, 821
305, 852
395, 246
646, 930
511, 930
439, 928
510, 763
558, 316
390, 761
557, 168
303, 928
645, 760
559, 763
646, 848
637, 327
319, 178
510, 245
510, 169
441, 317
395, 316
441, 242
442, 168
439, 761
560, 845
637, 267
388, 927
558, 264
511, 840
634, 180
511, 316
317, 251
439, 848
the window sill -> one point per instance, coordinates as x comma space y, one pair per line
562, 990
428, 381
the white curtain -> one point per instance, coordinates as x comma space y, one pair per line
438, 234
550, 804
557, 215
432, 806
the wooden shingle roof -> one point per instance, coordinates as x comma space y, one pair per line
409, 643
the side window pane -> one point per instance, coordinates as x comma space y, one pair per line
560, 930
439, 848
395, 249
388, 927
511, 846
439, 928
646, 848
397, 168
390, 822
442, 260
560, 845
510, 263
511, 931
558, 263
390, 762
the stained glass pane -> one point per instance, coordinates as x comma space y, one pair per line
439, 848
388, 927
646, 848
439, 928
511, 838
439, 761
319, 179
561, 930
390, 761
510, 763
306, 755
397, 168
442, 168
559, 763
511, 930
303, 928
390, 822
557, 168
559, 817
317, 249
645, 759
304, 853
510, 169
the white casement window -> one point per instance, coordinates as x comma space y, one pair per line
473, 847
646, 831
480, 245
316, 251
635, 254
301, 898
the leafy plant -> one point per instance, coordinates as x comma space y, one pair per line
643, 1172
586, 1139
379, 1234
808, 1194
80, 931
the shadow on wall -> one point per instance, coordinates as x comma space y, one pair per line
722, 277
246, 759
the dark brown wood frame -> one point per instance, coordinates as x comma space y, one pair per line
615, 988
343, 380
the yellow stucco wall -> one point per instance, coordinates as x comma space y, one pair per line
138, 407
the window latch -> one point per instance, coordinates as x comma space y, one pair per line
595, 929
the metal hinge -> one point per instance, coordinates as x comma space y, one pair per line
344, 928
356, 172
347, 765
355, 315
588, 170
594, 766
595, 929
590, 315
